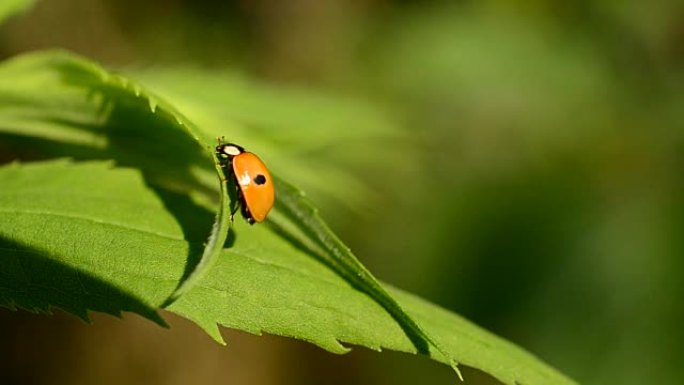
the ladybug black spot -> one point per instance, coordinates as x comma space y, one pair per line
260, 179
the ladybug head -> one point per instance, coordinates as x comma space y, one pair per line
229, 150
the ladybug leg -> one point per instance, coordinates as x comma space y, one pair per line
232, 214
223, 177
236, 199
246, 214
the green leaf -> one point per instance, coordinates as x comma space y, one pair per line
136, 230
304, 215
214, 246
114, 87
109, 260
9, 8
112, 113
69, 240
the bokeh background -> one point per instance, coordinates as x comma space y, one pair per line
528, 175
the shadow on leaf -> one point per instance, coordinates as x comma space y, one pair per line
35, 282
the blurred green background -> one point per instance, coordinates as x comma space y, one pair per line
527, 175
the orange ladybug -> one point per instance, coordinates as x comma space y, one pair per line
255, 192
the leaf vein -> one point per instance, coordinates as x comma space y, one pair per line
92, 220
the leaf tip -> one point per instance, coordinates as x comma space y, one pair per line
152, 104
454, 366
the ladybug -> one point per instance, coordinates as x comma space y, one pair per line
255, 191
